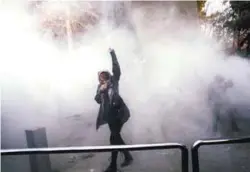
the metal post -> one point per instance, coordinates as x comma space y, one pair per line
195, 156
184, 159
38, 139
31, 144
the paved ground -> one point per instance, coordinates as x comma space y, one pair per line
144, 161
218, 158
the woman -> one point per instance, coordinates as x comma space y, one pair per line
113, 111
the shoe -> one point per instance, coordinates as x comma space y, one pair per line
111, 169
127, 162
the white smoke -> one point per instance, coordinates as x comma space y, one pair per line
166, 71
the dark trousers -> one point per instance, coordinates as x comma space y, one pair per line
231, 115
115, 127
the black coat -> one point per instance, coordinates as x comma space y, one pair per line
114, 109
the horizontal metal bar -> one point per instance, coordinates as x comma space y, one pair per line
221, 141
85, 149
62, 150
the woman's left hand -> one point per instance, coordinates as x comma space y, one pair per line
103, 86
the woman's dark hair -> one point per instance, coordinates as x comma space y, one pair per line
105, 75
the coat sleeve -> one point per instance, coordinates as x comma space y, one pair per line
98, 95
115, 66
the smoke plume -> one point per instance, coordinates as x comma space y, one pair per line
167, 65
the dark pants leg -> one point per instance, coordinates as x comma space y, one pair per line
116, 139
216, 119
234, 125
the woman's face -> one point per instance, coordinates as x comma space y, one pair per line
102, 79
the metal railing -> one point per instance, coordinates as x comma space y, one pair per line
199, 143
65, 150
141, 147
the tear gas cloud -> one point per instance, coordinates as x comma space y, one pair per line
167, 64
